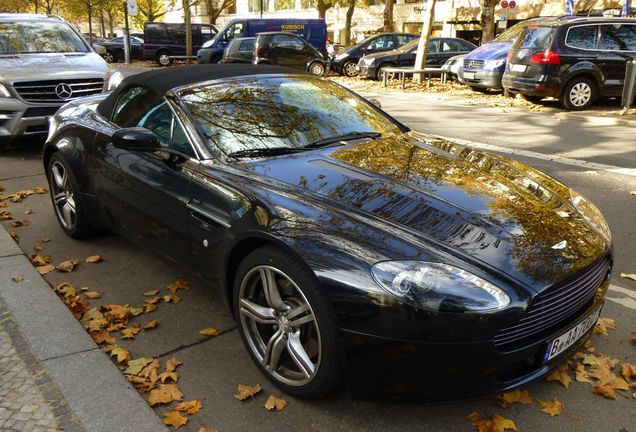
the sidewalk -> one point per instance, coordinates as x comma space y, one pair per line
52, 374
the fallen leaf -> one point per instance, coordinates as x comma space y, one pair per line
174, 418
45, 240
149, 307
16, 224
150, 371
205, 429
151, 293
102, 336
473, 416
94, 259
68, 265
605, 391
45, 269
165, 393
17, 279
164, 376
631, 276
496, 423
516, 396
152, 324
632, 336
14, 236
245, 391
179, 284
5, 215
136, 311
191, 407
92, 314
135, 366
210, 331
40, 190
274, 403
581, 374
130, 332
153, 300
117, 313
553, 408
123, 356
38, 248
172, 363
171, 298
603, 324
560, 374
28, 212
92, 295
40, 260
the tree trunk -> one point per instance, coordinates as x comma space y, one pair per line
487, 20
111, 24
36, 5
102, 23
351, 6
90, 23
422, 46
188, 28
322, 8
388, 15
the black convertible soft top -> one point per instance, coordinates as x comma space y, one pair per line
162, 80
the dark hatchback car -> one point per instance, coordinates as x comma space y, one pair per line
344, 63
115, 49
347, 245
439, 50
576, 60
289, 50
239, 50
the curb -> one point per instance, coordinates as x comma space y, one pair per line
598, 120
96, 392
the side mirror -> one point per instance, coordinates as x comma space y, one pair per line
375, 102
136, 138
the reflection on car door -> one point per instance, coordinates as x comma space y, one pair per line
288, 50
617, 42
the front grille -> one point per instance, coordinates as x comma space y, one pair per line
473, 64
58, 90
40, 111
554, 306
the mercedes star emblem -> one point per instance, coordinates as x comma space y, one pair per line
63, 91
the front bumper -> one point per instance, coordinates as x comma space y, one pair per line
21, 118
480, 78
366, 70
384, 369
204, 56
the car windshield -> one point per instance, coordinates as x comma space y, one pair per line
280, 112
512, 33
536, 37
39, 37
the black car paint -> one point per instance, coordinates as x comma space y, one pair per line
341, 209
116, 48
239, 50
357, 51
265, 52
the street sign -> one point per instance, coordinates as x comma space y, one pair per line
504, 4
133, 9
512, 4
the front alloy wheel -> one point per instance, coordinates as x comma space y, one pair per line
109, 57
317, 68
288, 330
349, 69
579, 94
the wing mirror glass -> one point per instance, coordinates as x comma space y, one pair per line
136, 138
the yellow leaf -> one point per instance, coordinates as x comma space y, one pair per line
45, 240
628, 370
179, 284
171, 298
28, 212
166, 393
496, 423
152, 324
174, 376
205, 429
123, 356
149, 307
244, 391
605, 391
274, 403
174, 419
560, 374
40, 260
94, 259
130, 332
603, 324
45, 269
631, 276
210, 331
135, 366
172, 363
150, 371
581, 374
92, 295
516, 396
473, 416
553, 408
191, 407
632, 336
67, 266
39, 248
136, 311
151, 293
40, 190
101, 337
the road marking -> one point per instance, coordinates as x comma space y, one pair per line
628, 302
542, 156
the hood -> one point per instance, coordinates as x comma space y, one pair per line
382, 54
35, 67
496, 211
490, 51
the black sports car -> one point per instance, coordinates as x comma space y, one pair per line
347, 245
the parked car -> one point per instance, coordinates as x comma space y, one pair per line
346, 245
484, 66
314, 31
453, 66
45, 63
239, 50
344, 63
290, 50
439, 50
115, 49
576, 60
164, 40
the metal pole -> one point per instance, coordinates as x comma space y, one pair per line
628, 85
126, 35
261, 1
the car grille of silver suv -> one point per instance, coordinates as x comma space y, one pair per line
473, 64
58, 90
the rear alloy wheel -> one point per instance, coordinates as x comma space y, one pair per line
380, 73
286, 324
578, 94
349, 69
109, 57
317, 68
163, 59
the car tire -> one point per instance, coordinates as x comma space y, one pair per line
299, 354
163, 58
216, 59
579, 94
380, 71
317, 68
349, 69
109, 57
66, 199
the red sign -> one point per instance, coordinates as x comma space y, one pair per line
512, 4
504, 4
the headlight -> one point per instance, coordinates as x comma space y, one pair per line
494, 64
591, 214
438, 287
115, 80
4, 92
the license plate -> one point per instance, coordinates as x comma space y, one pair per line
569, 338
518, 68
469, 75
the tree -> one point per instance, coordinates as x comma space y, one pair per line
422, 47
487, 19
351, 5
113, 11
152, 10
83, 8
215, 7
388, 15
323, 6
14, 6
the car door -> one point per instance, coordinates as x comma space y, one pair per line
145, 193
136, 48
287, 50
449, 48
433, 54
617, 43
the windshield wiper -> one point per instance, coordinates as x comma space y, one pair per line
265, 151
344, 137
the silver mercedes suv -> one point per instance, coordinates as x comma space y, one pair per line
44, 63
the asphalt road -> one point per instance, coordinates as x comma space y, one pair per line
214, 366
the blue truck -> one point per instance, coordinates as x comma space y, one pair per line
313, 31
